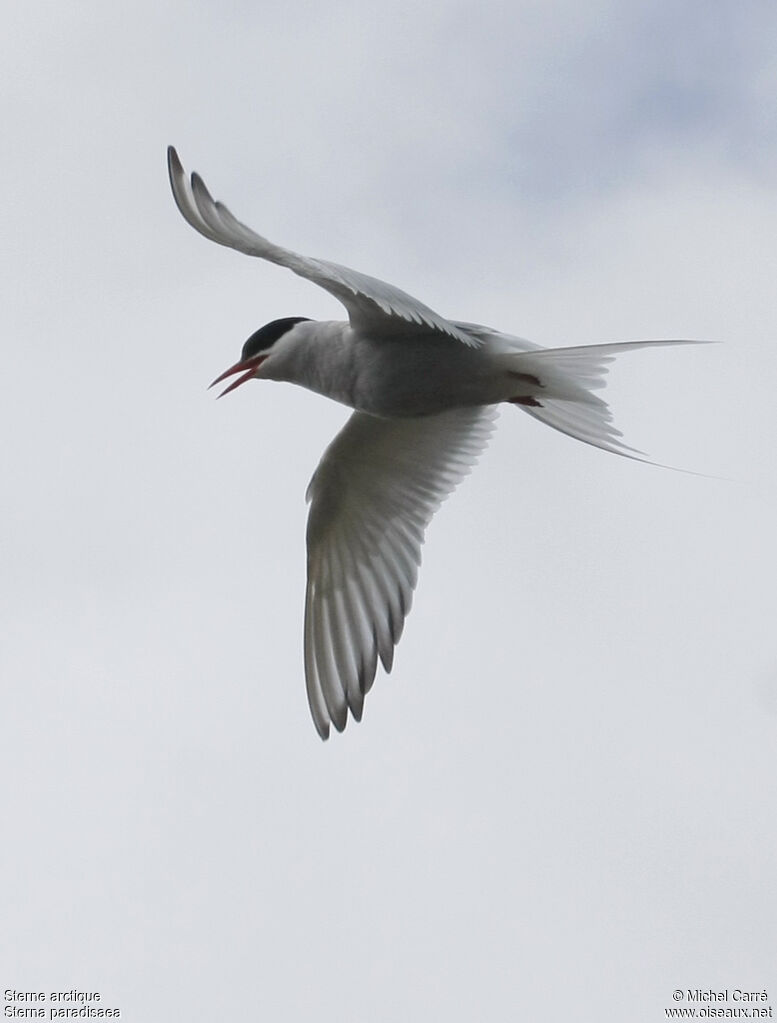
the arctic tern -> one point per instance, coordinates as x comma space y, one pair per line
425, 392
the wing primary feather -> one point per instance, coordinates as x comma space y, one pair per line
316, 702
337, 656
184, 199
383, 624
361, 631
344, 654
377, 622
334, 695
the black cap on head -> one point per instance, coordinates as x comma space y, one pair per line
267, 335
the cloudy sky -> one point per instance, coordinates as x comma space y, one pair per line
561, 804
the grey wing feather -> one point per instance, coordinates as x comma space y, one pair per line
371, 304
375, 491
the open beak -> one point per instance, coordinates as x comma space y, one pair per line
247, 367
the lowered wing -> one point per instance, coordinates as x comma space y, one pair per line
373, 494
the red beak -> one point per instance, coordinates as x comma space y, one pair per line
247, 367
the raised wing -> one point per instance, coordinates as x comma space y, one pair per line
371, 304
375, 491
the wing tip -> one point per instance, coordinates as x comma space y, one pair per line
174, 166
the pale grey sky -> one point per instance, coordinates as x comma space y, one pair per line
561, 804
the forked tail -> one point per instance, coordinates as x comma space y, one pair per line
562, 395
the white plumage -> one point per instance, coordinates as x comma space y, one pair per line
425, 391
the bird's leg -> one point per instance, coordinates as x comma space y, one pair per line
527, 399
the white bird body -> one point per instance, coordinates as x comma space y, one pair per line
425, 392
405, 376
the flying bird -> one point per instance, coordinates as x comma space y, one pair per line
425, 392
